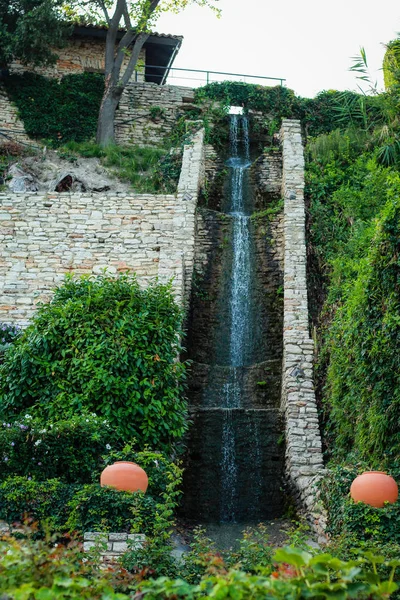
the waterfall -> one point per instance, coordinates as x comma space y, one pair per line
239, 303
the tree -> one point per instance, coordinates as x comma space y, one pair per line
30, 30
137, 17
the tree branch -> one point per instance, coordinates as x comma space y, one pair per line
137, 47
112, 36
105, 11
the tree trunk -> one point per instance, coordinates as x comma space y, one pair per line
106, 123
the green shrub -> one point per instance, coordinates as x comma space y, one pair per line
71, 450
356, 520
57, 111
102, 345
298, 574
61, 507
93, 508
45, 502
40, 569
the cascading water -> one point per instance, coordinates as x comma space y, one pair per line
234, 460
239, 303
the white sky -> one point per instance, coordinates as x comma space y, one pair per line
308, 42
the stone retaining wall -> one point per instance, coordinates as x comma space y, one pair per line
45, 236
112, 545
10, 125
138, 120
304, 461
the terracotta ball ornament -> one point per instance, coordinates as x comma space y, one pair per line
126, 476
374, 488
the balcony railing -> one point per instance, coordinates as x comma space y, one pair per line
196, 77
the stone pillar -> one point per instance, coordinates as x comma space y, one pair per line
304, 461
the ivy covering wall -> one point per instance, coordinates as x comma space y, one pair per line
57, 111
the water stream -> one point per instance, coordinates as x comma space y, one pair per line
239, 300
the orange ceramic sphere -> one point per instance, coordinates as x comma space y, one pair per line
124, 475
374, 488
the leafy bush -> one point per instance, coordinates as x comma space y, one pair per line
61, 507
102, 345
69, 449
93, 508
53, 568
58, 111
355, 520
45, 502
298, 574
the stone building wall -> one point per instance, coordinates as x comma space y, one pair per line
135, 123
304, 461
10, 125
83, 54
45, 236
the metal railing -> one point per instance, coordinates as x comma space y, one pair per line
197, 77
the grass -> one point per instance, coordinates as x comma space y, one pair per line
148, 170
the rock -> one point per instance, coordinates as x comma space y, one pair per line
20, 180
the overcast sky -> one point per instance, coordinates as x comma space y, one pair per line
307, 42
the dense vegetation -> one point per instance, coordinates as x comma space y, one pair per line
353, 189
92, 380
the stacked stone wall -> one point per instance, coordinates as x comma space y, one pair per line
112, 545
304, 461
80, 55
11, 127
45, 236
135, 122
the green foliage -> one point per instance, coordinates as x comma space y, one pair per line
277, 100
273, 209
53, 568
150, 169
94, 508
355, 520
62, 507
363, 373
68, 449
102, 345
43, 501
30, 30
298, 574
391, 64
57, 111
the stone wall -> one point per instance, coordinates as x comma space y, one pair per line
45, 236
10, 125
136, 124
80, 55
304, 461
112, 545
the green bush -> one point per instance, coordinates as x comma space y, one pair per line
93, 508
355, 520
61, 507
50, 568
57, 111
297, 574
45, 502
71, 449
102, 345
